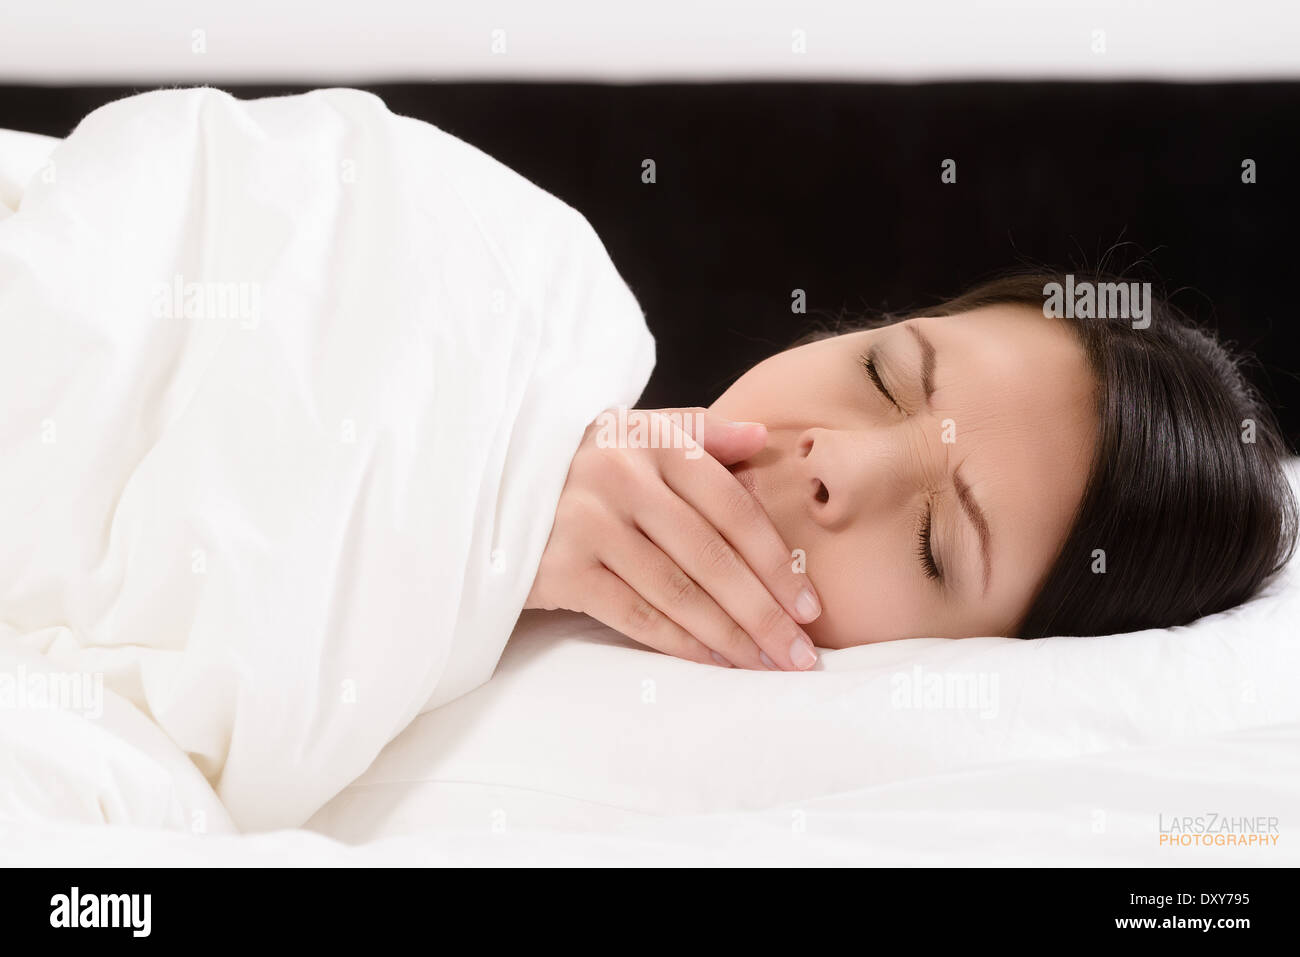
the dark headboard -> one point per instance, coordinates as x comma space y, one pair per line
835, 188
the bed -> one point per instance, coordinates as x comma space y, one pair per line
585, 749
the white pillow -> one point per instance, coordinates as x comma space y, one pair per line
590, 725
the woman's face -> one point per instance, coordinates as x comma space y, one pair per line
988, 447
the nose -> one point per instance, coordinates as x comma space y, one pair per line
847, 474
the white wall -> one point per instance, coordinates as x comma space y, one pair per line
150, 41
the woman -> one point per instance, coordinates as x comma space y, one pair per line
986, 467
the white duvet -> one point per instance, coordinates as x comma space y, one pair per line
288, 391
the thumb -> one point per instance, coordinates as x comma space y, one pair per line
727, 441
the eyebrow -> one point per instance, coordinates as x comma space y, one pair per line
976, 516
964, 496
927, 361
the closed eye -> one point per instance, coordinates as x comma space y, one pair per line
925, 549
924, 546
869, 365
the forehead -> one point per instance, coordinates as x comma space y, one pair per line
1018, 390
1007, 370
1006, 338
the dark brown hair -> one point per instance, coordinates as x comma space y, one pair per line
1187, 496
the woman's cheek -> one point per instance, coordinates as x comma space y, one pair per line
863, 601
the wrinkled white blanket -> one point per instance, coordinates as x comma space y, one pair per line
288, 391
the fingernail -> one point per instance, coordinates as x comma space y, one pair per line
720, 660
802, 655
806, 605
762, 656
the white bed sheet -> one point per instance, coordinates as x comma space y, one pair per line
1092, 810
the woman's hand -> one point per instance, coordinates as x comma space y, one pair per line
667, 547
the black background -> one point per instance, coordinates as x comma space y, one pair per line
835, 188
346, 909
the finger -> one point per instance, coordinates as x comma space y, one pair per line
718, 568
727, 441
644, 567
613, 602
717, 495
